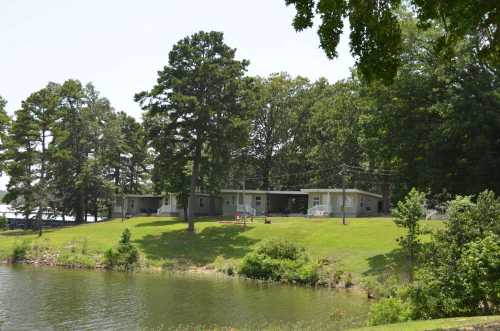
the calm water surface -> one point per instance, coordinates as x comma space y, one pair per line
58, 299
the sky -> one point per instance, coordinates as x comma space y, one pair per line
119, 45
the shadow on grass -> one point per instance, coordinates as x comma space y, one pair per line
19, 232
197, 248
180, 220
161, 223
395, 261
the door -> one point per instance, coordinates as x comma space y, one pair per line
247, 200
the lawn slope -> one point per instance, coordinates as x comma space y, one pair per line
434, 324
363, 246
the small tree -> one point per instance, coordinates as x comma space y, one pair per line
125, 257
407, 214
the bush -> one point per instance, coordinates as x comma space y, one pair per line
381, 287
280, 249
125, 257
389, 310
280, 260
20, 251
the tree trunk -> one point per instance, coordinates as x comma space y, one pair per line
39, 222
96, 211
80, 208
266, 169
194, 184
211, 206
385, 195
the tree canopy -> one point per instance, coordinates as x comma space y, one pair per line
376, 37
62, 150
199, 106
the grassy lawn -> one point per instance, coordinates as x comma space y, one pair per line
433, 324
363, 246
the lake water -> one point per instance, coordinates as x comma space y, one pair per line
60, 299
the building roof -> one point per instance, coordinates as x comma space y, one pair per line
141, 195
337, 190
264, 192
301, 192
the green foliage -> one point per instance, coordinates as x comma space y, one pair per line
389, 310
275, 125
227, 266
461, 270
126, 255
197, 114
76, 260
68, 152
5, 123
376, 38
3, 223
20, 251
407, 214
383, 287
76, 255
280, 260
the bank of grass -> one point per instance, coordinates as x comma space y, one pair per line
364, 246
434, 324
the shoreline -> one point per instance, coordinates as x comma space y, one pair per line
189, 270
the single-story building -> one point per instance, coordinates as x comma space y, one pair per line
259, 202
310, 202
358, 203
148, 204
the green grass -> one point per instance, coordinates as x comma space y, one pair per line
364, 246
433, 324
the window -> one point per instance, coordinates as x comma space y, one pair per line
234, 200
132, 203
166, 201
348, 202
316, 201
202, 202
258, 201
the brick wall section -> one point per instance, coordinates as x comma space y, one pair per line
483, 327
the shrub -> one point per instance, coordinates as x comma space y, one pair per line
126, 255
381, 288
20, 251
348, 280
280, 260
280, 249
389, 310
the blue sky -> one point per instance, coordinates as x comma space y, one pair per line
120, 45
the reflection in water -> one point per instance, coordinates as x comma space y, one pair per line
58, 299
